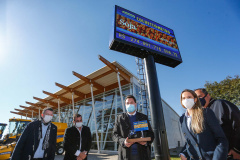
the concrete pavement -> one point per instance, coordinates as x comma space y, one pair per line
94, 156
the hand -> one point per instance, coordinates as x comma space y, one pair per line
142, 143
83, 155
79, 158
126, 143
234, 154
182, 157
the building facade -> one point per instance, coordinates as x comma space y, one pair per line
99, 98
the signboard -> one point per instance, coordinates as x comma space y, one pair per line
140, 126
138, 36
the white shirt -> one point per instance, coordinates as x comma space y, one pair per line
79, 151
39, 152
189, 120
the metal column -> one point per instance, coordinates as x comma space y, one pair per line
73, 104
59, 118
103, 108
160, 142
39, 114
84, 105
32, 115
120, 89
95, 118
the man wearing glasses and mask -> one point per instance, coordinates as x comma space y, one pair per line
38, 141
77, 140
228, 116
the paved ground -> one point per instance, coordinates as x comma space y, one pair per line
94, 156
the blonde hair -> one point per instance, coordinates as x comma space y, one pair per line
197, 123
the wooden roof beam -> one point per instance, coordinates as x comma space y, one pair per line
35, 105
89, 81
55, 105
29, 108
115, 68
66, 100
17, 113
24, 111
79, 94
19, 110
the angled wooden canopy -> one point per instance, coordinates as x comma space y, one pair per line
35, 105
79, 94
29, 108
114, 68
66, 100
103, 80
21, 114
89, 81
46, 101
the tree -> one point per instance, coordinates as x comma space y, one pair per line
228, 89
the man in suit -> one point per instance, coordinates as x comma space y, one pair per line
123, 125
38, 141
77, 140
228, 116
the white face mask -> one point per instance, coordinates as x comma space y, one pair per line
79, 124
47, 118
188, 103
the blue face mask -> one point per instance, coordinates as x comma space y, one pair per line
130, 108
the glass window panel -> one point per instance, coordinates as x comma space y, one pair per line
109, 146
94, 145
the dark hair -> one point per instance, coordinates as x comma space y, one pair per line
47, 108
76, 116
204, 91
131, 96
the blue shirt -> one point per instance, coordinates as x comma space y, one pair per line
132, 119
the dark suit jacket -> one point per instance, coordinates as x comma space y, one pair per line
28, 143
211, 144
121, 131
228, 116
72, 141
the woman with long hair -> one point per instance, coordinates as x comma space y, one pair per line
204, 136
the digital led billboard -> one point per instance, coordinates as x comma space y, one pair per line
138, 36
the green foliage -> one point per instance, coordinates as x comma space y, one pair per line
228, 89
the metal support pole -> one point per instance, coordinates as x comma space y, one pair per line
120, 89
116, 104
39, 114
59, 118
109, 120
160, 142
32, 115
103, 108
26, 115
95, 117
73, 104
84, 105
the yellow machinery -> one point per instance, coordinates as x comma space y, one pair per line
16, 128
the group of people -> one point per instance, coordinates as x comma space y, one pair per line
38, 141
211, 128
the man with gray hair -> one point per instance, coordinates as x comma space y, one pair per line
38, 140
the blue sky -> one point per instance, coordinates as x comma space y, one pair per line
43, 41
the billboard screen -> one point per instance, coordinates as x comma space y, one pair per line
138, 36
